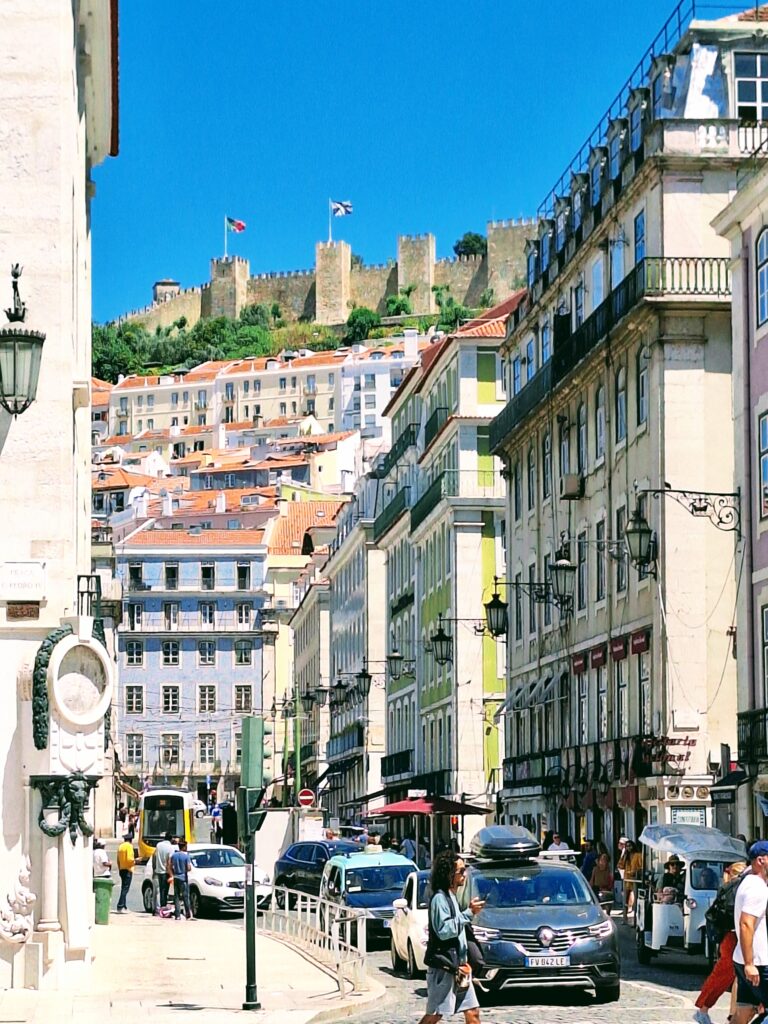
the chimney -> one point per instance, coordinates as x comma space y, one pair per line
221, 502
410, 344
167, 502
141, 505
258, 419
282, 506
220, 436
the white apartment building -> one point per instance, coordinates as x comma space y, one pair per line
618, 374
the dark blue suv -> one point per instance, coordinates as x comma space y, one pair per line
301, 866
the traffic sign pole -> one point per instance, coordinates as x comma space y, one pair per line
251, 995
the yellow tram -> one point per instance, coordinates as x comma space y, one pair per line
165, 809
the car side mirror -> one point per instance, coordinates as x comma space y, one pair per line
400, 904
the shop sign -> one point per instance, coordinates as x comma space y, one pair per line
640, 642
579, 663
597, 656
669, 751
688, 815
618, 648
723, 796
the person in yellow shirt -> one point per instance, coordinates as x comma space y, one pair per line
125, 862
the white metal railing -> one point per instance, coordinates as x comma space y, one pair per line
334, 935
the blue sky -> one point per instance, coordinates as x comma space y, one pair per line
429, 116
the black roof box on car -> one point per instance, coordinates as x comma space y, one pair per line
500, 842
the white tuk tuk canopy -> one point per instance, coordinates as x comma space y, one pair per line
693, 842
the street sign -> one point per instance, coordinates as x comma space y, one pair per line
306, 798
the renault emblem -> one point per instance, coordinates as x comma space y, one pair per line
545, 937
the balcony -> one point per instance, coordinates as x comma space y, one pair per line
201, 406
309, 751
694, 278
138, 585
351, 738
435, 424
752, 736
390, 515
394, 765
427, 502
399, 448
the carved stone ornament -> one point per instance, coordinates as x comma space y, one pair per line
40, 706
16, 911
69, 794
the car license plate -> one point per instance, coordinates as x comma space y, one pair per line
547, 961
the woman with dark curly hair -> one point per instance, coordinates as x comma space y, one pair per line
449, 978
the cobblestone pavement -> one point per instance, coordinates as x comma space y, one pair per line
662, 993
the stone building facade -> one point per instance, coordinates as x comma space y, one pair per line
328, 293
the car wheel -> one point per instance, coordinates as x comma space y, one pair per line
608, 993
148, 897
397, 960
643, 952
195, 902
413, 970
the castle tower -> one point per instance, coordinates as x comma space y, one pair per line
228, 291
506, 255
333, 265
164, 290
416, 266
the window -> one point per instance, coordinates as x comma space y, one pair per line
583, 709
517, 490
546, 342
615, 155
174, 421
171, 701
246, 386
134, 652
640, 237
135, 576
622, 697
123, 406
238, 747
244, 698
229, 481
257, 387
565, 447
600, 560
170, 652
207, 614
595, 181
283, 383
597, 283
170, 615
134, 748
134, 616
169, 748
134, 700
644, 690
545, 238
531, 598
581, 438
229, 392
244, 616
657, 94
283, 408
561, 224
171, 571
206, 699
641, 370
577, 209
207, 747
600, 422
206, 650
547, 606
581, 571
243, 652
516, 375
207, 576
578, 305
601, 680
636, 127
762, 276
532, 267
531, 478
546, 466
621, 563
370, 401
751, 71
621, 405
617, 259
150, 424
530, 359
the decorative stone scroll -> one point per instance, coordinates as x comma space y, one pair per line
40, 703
16, 912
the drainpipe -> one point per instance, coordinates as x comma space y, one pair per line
746, 508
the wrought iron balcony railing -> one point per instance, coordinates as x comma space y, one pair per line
752, 733
400, 763
390, 515
400, 447
435, 423
427, 502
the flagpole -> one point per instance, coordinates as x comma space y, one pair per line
225, 237
330, 222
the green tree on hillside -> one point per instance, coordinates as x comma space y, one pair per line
471, 244
360, 323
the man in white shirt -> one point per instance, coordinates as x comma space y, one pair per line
750, 958
160, 857
102, 866
557, 846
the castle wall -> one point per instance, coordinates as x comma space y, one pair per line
466, 275
293, 291
333, 297
162, 314
370, 285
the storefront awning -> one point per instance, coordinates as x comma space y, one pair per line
731, 781
338, 767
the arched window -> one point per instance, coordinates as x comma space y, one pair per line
600, 422
621, 405
546, 466
531, 478
762, 276
581, 438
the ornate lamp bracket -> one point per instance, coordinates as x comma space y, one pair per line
723, 509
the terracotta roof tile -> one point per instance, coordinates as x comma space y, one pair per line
288, 530
117, 478
202, 538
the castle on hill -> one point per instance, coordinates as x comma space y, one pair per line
327, 293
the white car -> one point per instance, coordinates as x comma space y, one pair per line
216, 880
410, 925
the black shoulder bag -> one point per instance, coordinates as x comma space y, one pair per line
441, 953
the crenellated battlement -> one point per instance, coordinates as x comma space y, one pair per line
275, 275
521, 222
373, 267
472, 257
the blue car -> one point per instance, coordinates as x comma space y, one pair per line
301, 866
369, 882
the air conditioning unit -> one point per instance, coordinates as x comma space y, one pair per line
571, 486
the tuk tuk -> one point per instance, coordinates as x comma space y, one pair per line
672, 916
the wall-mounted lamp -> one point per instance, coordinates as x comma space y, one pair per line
21, 351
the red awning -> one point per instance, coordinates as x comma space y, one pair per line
428, 805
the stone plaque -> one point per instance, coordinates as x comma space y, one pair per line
22, 581
17, 610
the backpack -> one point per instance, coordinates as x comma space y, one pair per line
720, 914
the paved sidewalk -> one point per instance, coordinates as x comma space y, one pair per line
148, 967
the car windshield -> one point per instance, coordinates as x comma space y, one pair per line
217, 857
707, 874
528, 887
378, 879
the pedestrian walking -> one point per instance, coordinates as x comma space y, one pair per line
125, 863
750, 957
449, 976
408, 847
102, 865
631, 868
721, 924
179, 864
217, 823
160, 859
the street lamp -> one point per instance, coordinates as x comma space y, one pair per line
562, 576
442, 644
395, 663
364, 680
321, 695
639, 537
496, 617
21, 351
